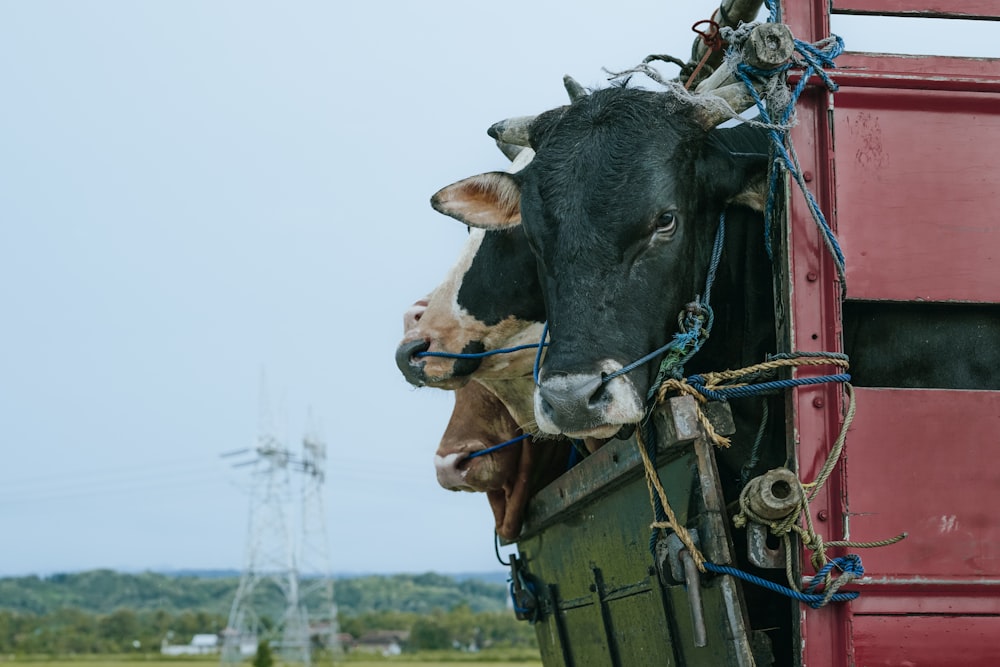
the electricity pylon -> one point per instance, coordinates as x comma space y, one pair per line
314, 546
269, 562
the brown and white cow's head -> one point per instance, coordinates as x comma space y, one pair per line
490, 300
509, 476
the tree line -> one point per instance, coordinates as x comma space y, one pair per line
102, 612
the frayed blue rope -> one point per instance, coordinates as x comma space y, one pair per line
814, 600
697, 382
699, 328
815, 60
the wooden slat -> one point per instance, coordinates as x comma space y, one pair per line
915, 172
962, 9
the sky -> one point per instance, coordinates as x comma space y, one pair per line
212, 217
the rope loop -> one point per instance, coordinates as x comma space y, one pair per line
711, 36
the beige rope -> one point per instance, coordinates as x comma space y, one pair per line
654, 486
810, 538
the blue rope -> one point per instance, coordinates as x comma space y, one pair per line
685, 343
538, 356
814, 600
494, 448
815, 59
477, 355
849, 564
697, 382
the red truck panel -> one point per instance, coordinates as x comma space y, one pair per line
900, 160
928, 8
926, 641
924, 462
913, 171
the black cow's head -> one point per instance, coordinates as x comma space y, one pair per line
620, 206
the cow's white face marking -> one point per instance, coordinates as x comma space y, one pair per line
449, 327
449, 475
587, 407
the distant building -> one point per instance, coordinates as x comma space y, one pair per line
386, 642
200, 645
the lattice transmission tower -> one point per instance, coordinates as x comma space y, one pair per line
314, 547
268, 603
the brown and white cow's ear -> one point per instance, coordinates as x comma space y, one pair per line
488, 201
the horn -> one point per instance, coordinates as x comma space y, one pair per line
718, 106
512, 131
575, 90
767, 46
509, 150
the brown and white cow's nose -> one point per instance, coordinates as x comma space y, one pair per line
585, 405
409, 365
450, 474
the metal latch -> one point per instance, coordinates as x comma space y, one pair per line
523, 592
684, 570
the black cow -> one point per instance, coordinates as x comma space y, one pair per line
621, 206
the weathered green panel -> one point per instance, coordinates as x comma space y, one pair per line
586, 546
585, 637
634, 620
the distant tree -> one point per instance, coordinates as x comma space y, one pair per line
429, 632
264, 658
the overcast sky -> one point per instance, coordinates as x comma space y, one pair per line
198, 195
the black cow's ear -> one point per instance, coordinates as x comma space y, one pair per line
753, 190
734, 166
488, 201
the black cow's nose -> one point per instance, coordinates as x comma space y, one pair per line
408, 365
575, 398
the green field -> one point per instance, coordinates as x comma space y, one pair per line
430, 659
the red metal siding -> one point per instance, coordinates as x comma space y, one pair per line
925, 462
923, 641
909, 195
913, 171
929, 8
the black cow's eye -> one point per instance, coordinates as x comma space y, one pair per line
666, 223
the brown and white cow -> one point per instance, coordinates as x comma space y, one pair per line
481, 420
509, 476
489, 300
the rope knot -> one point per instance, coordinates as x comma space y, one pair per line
711, 36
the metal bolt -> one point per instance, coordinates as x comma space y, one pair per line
817, 402
822, 515
812, 276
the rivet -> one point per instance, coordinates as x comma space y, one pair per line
807, 176
812, 276
817, 402
822, 515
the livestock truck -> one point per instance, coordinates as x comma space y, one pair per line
903, 160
